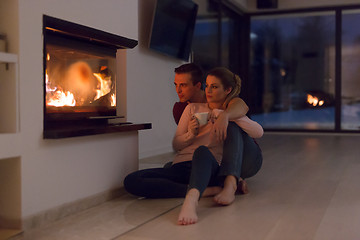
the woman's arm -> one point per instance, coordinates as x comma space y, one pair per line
186, 130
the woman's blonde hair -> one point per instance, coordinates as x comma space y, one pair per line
228, 80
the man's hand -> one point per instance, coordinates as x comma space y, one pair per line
193, 126
221, 123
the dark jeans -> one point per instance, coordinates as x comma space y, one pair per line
241, 154
241, 158
171, 182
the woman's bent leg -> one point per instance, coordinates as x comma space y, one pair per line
241, 159
232, 152
252, 157
160, 182
204, 168
241, 155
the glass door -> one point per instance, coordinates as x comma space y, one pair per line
292, 71
350, 71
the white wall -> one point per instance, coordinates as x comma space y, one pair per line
151, 89
55, 172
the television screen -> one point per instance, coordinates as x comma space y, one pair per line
173, 27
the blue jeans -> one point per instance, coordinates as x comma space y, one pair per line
241, 158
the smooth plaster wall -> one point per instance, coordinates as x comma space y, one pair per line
55, 172
151, 91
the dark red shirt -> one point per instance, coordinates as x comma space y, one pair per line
178, 110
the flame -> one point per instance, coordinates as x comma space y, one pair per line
314, 100
113, 100
60, 98
105, 86
56, 96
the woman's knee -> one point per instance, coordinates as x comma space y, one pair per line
234, 133
233, 127
202, 156
201, 151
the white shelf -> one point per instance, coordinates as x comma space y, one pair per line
8, 57
9, 143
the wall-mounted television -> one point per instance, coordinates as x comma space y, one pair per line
173, 27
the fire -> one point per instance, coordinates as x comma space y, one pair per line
105, 86
86, 87
113, 100
314, 100
61, 98
58, 98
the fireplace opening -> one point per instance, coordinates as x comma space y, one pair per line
79, 78
80, 74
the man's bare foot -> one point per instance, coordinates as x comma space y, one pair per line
227, 195
211, 191
188, 214
242, 187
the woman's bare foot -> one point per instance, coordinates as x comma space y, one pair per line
242, 187
188, 210
227, 195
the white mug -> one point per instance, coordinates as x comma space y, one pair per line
202, 118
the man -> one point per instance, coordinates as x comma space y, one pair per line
189, 87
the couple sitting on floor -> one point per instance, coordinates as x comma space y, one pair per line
213, 157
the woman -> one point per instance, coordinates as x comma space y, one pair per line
199, 154
209, 166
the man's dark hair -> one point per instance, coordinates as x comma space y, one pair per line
194, 70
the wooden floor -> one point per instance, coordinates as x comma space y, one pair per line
308, 188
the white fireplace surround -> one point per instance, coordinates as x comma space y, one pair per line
39, 175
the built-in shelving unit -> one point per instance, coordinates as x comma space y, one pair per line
10, 157
10, 160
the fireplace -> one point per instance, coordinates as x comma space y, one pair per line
80, 70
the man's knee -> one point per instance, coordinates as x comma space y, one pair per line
130, 183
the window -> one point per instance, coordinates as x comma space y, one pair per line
292, 71
350, 71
